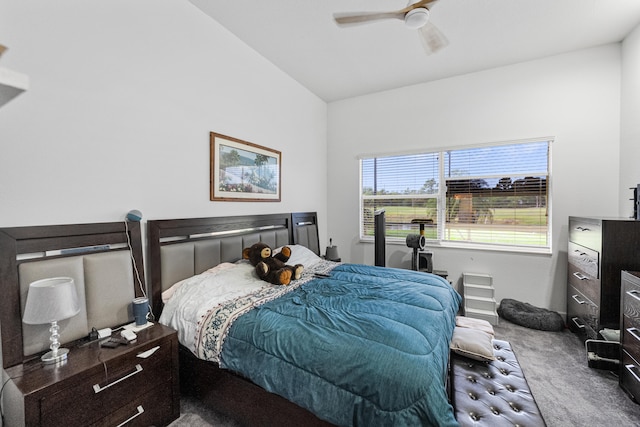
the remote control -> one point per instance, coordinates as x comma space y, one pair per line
110, 342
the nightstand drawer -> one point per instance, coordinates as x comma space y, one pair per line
108, 387
585, 233
143, 411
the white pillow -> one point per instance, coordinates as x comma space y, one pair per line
169, 292
473, 343
473, 323
301, 255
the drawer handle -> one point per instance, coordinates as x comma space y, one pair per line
137, 414
583, 229
585, 257
634, 333
580, 276
97, 389
575, 297
575, 322
633, 294
631, 369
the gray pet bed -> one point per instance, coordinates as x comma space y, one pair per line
527, 315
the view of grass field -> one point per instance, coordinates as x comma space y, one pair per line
525, 226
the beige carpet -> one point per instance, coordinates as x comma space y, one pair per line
194, 414
191, 420
568, 392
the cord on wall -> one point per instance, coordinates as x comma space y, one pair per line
135, 216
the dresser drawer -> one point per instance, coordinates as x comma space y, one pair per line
631, 317
631, 337
631, 302
146, 410
582, 313
585, 259
585, 283
112, 385
630, 375
585, 233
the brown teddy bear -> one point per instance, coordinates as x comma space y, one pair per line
272, 269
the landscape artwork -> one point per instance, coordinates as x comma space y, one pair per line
243, 171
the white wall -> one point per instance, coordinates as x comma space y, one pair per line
123, 96
629, 123
574, 98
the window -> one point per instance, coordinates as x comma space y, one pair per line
493, 195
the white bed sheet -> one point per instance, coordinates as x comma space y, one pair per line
197, 294
189, 301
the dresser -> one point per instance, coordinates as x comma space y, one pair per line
134, 384
630, 333
598, 250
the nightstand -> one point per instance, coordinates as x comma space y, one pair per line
99, 386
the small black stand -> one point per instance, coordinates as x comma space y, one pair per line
425, 261
636, 202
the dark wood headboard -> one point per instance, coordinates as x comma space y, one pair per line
305, 230
21, 248
180, 248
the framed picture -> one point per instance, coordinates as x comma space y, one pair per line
242, 171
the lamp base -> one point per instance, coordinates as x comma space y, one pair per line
60, 356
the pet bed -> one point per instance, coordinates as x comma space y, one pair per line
529, 316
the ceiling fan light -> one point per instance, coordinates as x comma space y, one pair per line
416, 18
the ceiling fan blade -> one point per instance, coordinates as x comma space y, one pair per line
364, 17
432, 38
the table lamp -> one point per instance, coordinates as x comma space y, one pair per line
48, 301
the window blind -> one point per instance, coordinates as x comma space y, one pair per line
492, 195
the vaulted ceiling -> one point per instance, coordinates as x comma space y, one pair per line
302, 39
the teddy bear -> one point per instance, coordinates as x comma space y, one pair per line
272, 269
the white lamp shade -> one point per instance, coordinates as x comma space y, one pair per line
50, 300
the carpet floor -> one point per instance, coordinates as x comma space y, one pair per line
568, 392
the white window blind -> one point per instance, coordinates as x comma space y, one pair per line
491, 195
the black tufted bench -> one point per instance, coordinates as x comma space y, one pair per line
492, 394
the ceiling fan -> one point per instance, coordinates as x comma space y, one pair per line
415, 16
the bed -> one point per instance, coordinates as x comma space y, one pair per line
346, 344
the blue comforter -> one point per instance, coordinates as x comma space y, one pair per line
367, 346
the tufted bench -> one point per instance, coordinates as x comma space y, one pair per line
492, 394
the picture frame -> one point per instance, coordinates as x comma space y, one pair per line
241, 171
